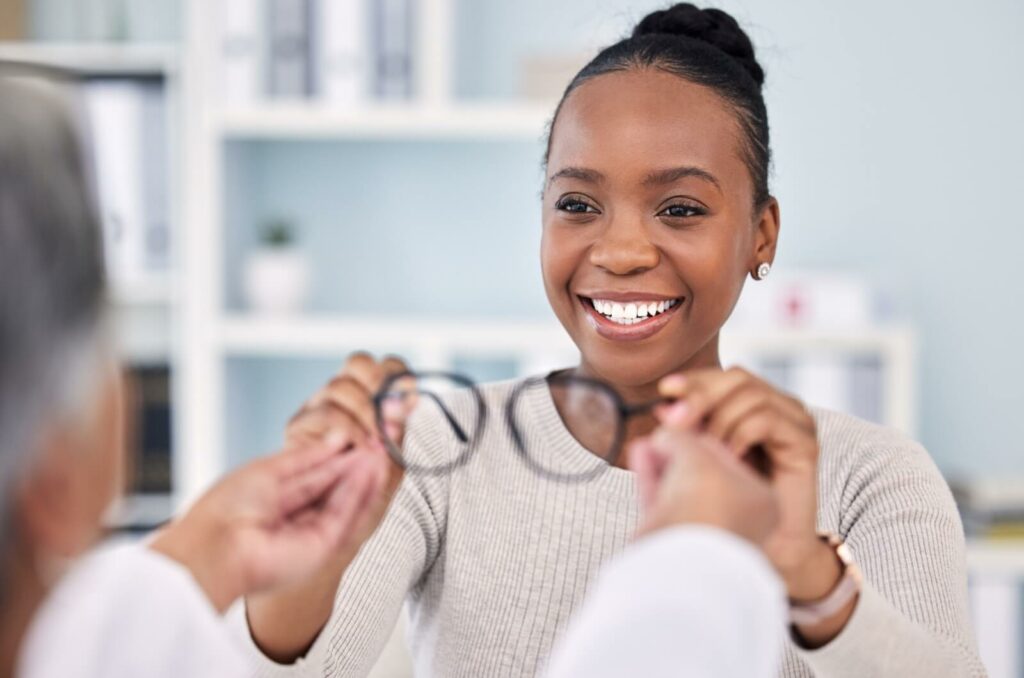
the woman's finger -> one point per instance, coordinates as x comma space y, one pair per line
700, 391
352, 396
366, 371
737, 405
777, 436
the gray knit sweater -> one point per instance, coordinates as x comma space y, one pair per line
492, 559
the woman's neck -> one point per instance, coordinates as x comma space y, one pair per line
21, 594
633, 394
706, 357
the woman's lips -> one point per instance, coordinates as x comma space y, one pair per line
642, 328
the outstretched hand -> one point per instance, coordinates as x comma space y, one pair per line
277, 520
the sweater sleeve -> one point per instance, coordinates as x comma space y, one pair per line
370, 596
898, 517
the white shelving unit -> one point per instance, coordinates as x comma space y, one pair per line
311, 121
96, 58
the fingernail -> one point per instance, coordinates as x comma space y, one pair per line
677, 413
672, 383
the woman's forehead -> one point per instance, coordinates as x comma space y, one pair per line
636, 121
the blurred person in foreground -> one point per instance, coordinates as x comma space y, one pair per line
154, 608
142, 609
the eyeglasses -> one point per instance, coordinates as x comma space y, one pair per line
599, 413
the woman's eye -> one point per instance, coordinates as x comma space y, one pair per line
682, 211
575, 206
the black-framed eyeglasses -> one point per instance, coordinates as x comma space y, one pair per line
600, 417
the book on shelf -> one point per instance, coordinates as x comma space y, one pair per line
150, 446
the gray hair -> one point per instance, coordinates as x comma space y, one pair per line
52, 280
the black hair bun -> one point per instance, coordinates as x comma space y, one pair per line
712, 26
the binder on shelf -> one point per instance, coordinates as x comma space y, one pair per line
128, 125
242, 42
342, 49
393, 35
153, 147
115, 117
289, 64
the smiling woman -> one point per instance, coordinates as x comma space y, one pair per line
655, 209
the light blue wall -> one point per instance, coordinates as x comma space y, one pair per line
898, 141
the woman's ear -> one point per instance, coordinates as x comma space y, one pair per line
76, 472
49, 503
766, 235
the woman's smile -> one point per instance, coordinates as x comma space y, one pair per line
628, 316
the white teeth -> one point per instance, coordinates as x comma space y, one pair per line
631, 312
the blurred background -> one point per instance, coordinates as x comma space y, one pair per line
284, 181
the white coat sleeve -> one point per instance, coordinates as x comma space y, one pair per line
685, 601
127, 611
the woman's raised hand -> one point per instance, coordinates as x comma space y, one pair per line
750, 416
285, 623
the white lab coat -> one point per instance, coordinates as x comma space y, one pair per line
127, 611
687, 601
691, 601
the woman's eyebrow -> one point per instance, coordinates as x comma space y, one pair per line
581, 173
667, 176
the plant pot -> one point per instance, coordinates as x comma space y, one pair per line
276, 280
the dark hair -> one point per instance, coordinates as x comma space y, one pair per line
706, 47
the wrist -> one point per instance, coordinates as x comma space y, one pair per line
813, 574
204, 551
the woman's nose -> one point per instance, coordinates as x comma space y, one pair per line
624, 248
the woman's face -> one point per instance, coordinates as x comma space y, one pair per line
649, 224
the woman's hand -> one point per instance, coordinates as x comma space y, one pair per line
285, 623
752, 417
275, 521
343, 410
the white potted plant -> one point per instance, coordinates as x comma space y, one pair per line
276, 276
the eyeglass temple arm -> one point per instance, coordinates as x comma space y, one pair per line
459, 432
